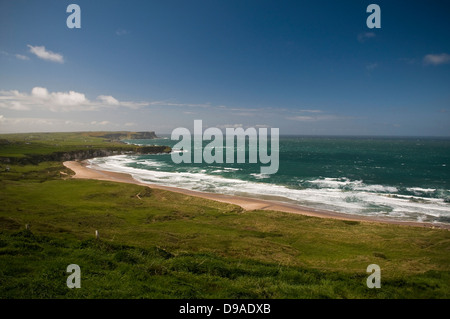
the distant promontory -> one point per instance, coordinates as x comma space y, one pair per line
117, 136
35, 148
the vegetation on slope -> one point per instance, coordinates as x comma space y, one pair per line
168, 245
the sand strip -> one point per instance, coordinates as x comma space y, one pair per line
248, 204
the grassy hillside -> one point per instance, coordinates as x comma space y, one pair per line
19, 145
23, 144
35, 148
167, 245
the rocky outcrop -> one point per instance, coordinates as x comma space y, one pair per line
143, 135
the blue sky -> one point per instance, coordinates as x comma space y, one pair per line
306, 67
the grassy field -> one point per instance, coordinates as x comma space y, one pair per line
20, 145
168, 245
31, 144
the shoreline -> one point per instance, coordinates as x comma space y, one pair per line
248, 204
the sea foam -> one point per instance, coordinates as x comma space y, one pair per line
336, 194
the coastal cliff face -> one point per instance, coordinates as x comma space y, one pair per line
84, 154
143, 135
92, 153
33, 148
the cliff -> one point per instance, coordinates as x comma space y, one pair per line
143, 135
83, 154
33, 148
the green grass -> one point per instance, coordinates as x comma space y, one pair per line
14, 148
20, 145
169, 245
111, 270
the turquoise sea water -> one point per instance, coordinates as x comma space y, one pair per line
404, 178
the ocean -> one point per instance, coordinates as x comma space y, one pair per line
400, 178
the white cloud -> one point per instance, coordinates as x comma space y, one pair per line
363, 37
437, 59
70, 98
41, 98
22, 57
18, 56
25, 124
39, 92
371, 66
16, 106
243, 114
310, 111
30, 124
245, 110
57, 101
134, 105
166, 103
317, 118
301, 118
100, 123
108, 99
44, 54
121, 32
408, 60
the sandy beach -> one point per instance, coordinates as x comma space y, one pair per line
83, 172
